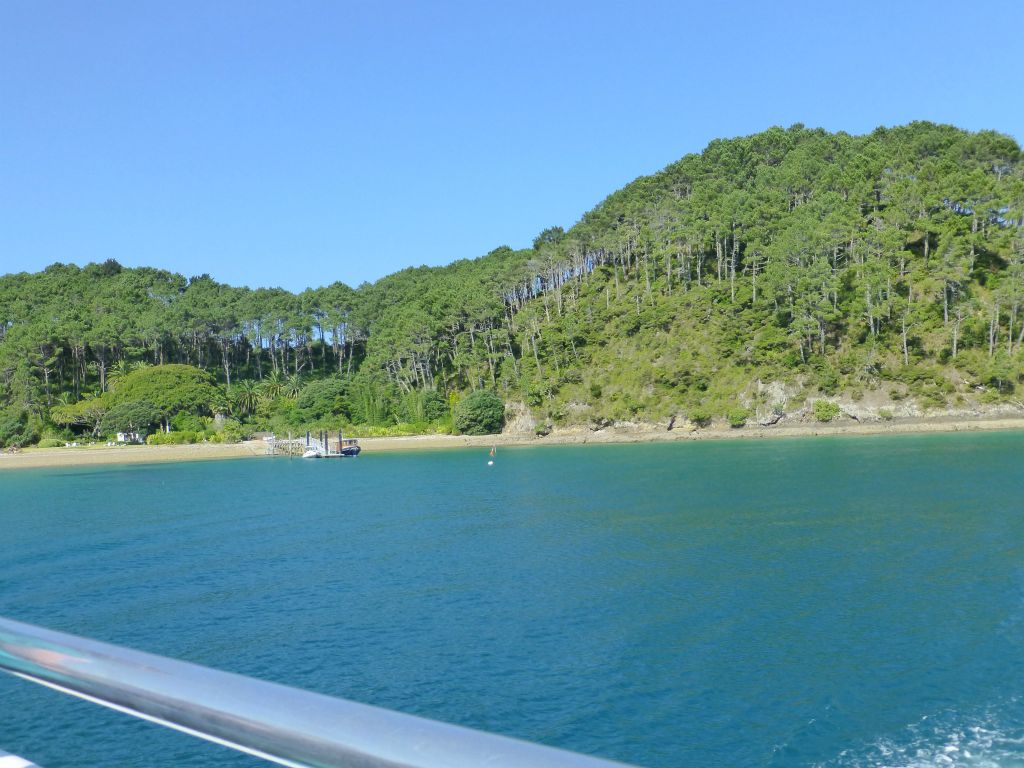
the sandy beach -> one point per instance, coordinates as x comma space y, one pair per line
126, 454
130, 454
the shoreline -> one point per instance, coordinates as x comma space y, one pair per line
152, 454
653, 434
86, 456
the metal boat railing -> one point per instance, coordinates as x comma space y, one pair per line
285, 725
8, 760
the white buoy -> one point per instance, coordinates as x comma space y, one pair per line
490, 463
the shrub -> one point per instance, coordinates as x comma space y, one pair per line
420, 406
535, 394
174, 438
480, 413
571, 376
932, 400
234, 432
52, 442
826, 410
828, 381
187, 422
395, 430
17, 428
435, 406
885, 414
63, 435
699, 416
283, 416
737, 417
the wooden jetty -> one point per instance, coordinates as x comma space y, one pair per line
319, 446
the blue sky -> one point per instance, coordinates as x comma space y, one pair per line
296, 143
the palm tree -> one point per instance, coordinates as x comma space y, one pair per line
116, 374
273, 385
293, 386
247, 396
64, 412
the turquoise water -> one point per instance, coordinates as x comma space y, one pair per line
833, 602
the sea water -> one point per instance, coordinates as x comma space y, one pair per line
812, 602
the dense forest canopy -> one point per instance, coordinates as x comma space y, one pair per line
792, 261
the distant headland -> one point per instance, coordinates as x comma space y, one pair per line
794, 276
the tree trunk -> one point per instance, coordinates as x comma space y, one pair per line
906, 350
225, 359
993, 327
1009, 331
956, 331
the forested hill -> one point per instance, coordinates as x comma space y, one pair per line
766, 272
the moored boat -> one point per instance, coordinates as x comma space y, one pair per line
348, 447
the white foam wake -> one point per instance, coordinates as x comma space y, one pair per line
974, 742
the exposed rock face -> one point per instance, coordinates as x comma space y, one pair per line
518, 420
879, 406
770, 401
774, 404
635, 426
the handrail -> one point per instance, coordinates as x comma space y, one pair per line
285, 725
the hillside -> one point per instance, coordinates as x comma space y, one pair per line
884, 272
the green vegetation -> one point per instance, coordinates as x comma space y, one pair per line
826, 410
322, 399
737, 417
762, 273
131, 416
480, 413
700, 416
17, 428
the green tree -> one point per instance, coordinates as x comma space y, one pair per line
17, 428
247, 395
479, 413
131, 416
172, 389
435, 406
321, 399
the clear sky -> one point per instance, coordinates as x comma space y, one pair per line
296, 143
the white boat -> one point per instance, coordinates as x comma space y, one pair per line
312, 453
